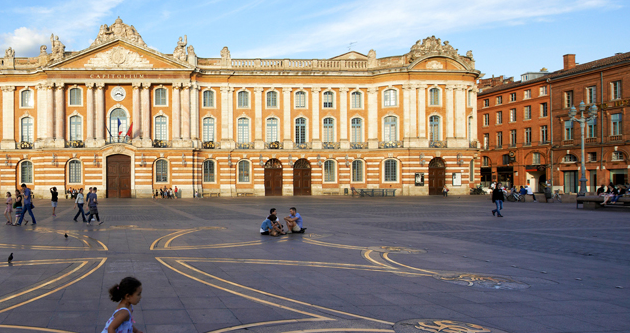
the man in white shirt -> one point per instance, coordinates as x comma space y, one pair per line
530, 192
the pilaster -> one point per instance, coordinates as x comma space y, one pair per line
145, 110
422, 116
259, 142
372, 120
60, 113
448, 123
413, 115
99, 126
89, 123
136, 119
194, 114
8, 118
50, 115
41, 116
343, 118
286, 115
185, 97
176, 113
317, 143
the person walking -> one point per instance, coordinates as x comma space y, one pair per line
530, 192
78, 202
9, 210
18, 206
176, 192
28, 205
54, 198
497, 199
92, 203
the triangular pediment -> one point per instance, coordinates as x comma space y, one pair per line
352, 55
120, 54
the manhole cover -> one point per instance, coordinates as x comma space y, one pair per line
441, 326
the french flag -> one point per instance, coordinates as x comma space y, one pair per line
119, 123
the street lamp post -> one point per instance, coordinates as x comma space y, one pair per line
592, 113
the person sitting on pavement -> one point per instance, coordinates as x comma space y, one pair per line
522, 191
294, 221
271, 227
530, 192
601, 190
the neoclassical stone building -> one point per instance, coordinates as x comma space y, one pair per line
128, 119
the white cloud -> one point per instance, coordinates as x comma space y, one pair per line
24, 41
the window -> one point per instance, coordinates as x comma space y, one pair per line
543, 109
486, 119
207, 132
615, 125
243, 171
470, 129
356, 134
434, 96
513, 97
300, 130
27, 129
527, 94
357, 171
75, 97
499, 100
536, 158
161, 128
506, 159
74, 172
512, 115
160, 97
300, 99
434, 128
243, 99
591, 128
161, 171
568, 130
543, 90
528, 136
390, 130
591, 95
208, 171
592, 157
486, 103
208, 99
243, 130
27, 100
328, 99
499, 139
75, 128
499, 117
568, 99
391, 171
568, 158
357, 100
486, 141
118, 123
513, 138
329, 171
272, 129
543, 134
485, 161
389, 97
528, 113
616, 90
617, 156
26, 172
329, 130
470, 98
272, 99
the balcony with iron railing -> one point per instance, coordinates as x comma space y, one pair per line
302, 145
75, 144
390, 144
118, 139
473, 144
273, 145
244, 145
331, 145
358, 145
162, 144
437, 144
25, 145
210, 145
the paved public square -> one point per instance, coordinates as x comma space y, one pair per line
404, 264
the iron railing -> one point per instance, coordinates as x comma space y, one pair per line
390, 144
162, 144
75, 144
244, 145
210, 145
358, 145
26, 145
437, 144
273, 145
303, 145
331, 145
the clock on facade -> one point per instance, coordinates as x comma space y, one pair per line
118, 93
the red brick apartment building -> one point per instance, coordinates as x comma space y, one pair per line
527, 137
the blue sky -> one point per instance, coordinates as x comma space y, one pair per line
507, 37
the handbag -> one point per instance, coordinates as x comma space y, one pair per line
32, 206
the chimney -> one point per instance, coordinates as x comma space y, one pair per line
569, 61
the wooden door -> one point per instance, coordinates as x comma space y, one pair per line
273, 178
119, 176
437, 176
302, 177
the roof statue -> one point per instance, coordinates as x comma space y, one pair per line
433, 46
58, 49
180, 50
9, 53
118, 30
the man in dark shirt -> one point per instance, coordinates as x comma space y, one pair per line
497, 199
26, 192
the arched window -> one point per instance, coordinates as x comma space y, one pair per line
208, 129
434, 128
161, 127
75, 128
356, 134
328, 99
272, 129
389, 97
357, 171
26, 99
160, 97
272, 99
208, 171
161, 171
300, 99
300, 130
118, 124
471, 171
26, 172
243, 99
329, 171
434, 96
208, 98
243, 130
391, 171
74, 172
357, 100
329, 130
243, 171
569, 158
390, 130
27, 129
75, 97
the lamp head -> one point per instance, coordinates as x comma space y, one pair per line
582, 106
592, 111
572, 112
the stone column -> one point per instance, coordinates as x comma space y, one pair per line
185, 96
60, 114
50, 115
460, 112
194, 114
8, 118
413, 115
89, 123
99, 126
41, 116
224, 116
176, 113
286, 117
372, 121
259, 140
474, 115
448, 123
343, 118
145, 110
230, 118
317, 143
422, 116
136, 119
406, 123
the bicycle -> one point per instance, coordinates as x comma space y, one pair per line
477, 191
513, 197
556, 196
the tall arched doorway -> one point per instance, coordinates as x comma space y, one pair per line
118, 176
302, 177
437, 176
273, 178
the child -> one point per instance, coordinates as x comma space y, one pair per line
445, 191
128, 293
9, 209
18, 207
